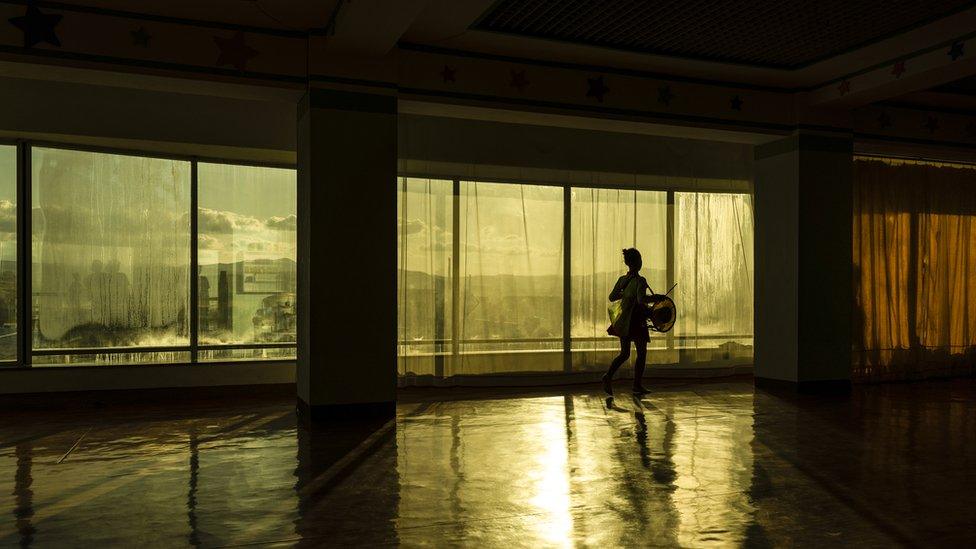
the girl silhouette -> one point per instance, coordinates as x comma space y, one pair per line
631, 326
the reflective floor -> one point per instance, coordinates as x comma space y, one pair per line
687, 465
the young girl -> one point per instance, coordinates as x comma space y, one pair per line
631, 326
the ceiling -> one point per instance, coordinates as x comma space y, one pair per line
958, 97
783, 34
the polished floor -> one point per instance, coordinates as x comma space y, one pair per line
690, 465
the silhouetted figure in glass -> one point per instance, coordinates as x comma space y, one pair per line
97, 288
631, 326
117, 299
76, 311
225, 319
204, 306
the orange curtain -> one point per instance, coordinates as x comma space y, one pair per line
914, 270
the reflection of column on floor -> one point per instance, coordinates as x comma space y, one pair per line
191, 498
23, 480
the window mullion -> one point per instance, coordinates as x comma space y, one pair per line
194, 312
25, 324
567, 278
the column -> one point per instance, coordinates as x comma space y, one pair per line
804, 262
347, 159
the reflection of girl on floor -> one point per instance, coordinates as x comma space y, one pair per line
631, 326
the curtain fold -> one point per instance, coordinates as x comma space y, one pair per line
915, 269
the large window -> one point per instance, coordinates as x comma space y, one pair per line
112, 244
110, 253
714, 271
246, 256
503, 306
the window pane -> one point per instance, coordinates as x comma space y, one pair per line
110, 250
8, 253
247, 252
714, 270
511, 269
603, 224
425, 235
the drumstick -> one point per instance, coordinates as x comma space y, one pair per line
672, 287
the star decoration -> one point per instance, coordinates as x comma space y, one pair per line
971, 129
597, 88
884, 121
234, 52
37, 27
898, 69
664, 95
519, 81
140, 37
736, 103
844, 87
956, 51
931, 124
448, 74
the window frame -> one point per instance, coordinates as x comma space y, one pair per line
672, 341
25, 350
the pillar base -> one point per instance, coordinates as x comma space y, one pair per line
365, 410
818, 387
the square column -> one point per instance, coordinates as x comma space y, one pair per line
804, 262
347, 306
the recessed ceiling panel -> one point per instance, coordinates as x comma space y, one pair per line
767, 33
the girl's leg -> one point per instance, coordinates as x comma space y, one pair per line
639, 362
615, 365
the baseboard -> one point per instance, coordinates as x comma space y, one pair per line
542, 379
57, 379
78, 400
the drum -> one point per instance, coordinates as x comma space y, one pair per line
661, 313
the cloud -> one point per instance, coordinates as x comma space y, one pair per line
287, 223
221, 222
8, 217
208, 242
414, 226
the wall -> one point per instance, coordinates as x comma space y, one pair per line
182, 123
435, 139
96, 378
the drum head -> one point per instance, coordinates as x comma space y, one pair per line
661, 313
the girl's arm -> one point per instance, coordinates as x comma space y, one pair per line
618, 288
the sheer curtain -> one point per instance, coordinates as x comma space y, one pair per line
714, 268
511, 278
603, 222
425, 273
915, 269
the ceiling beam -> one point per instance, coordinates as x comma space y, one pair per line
370, 27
